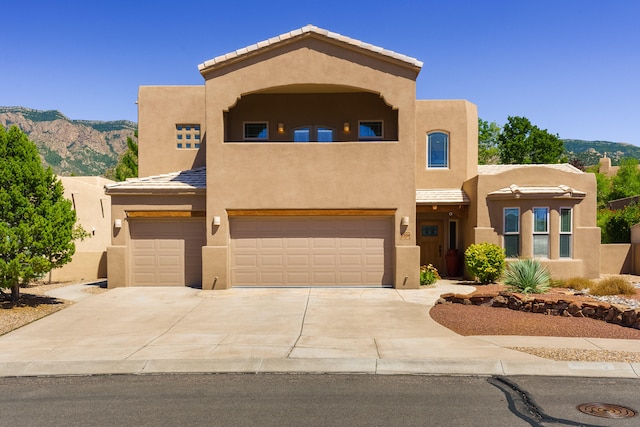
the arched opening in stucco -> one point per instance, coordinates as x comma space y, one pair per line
277, 114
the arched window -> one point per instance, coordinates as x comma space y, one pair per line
437, 150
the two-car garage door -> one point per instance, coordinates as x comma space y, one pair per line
311, 251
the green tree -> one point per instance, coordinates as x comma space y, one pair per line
521, 142
626, 183
36, 221
127, 166
488, 134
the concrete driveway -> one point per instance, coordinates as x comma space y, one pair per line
291, 329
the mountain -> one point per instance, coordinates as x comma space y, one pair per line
590, 152
71, 147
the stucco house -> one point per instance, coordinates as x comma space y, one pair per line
306, 160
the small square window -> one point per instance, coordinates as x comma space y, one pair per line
188, 145
188, 132
196, 145
179, 145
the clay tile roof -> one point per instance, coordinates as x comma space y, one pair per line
451, 196
497, 169
189, 180
300, 33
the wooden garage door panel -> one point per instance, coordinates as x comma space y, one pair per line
311, 251
166, 252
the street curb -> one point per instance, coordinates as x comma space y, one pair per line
322, 366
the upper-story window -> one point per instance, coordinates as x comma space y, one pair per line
437, 150
256, 131
541, 232
370, 130
313, 133
187, 136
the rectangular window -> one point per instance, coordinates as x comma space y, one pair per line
256, 131
186, 132
370, 130
437, 150
512, 232
566, 227
541, 232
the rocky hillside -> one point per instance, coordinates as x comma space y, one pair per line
71, 147
590, 152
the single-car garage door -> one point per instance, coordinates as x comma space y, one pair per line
311, 251
166, 252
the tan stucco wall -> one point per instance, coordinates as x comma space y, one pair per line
616, 258
160, 109
488, 215
350, 175
458, 119
93, 213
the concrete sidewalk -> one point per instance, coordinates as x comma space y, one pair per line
377, 331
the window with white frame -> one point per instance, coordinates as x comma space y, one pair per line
566, 227
370, 130
187, 136
511, 234
437, 150
541, 232
256, 131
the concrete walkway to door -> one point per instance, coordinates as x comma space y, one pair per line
153, 330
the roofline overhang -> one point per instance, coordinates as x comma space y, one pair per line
154, 192
309, 31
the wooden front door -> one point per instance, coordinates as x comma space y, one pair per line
431, 241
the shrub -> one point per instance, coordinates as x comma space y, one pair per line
428, 275
558, 283
484, 261
614, 285
578, 283
527, 276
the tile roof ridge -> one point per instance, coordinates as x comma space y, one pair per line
309, 28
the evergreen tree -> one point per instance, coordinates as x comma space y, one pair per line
127, 166
36, 221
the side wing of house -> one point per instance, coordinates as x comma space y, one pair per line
539, 211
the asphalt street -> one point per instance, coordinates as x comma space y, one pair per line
311, 400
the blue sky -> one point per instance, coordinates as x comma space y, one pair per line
571, 66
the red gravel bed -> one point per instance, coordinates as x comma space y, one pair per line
469, 320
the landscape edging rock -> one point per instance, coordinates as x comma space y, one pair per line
611, 313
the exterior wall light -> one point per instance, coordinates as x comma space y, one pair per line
346, 127
216, 220
404, 221
117, 223
280, 127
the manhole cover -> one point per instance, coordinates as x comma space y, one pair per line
606, 410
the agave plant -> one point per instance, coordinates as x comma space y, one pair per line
527, 276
